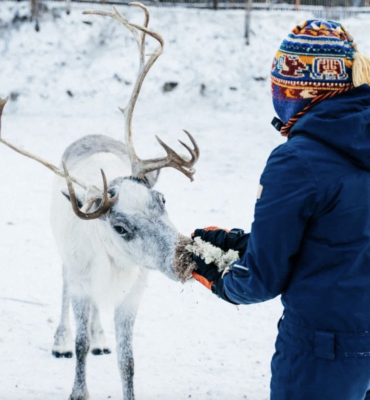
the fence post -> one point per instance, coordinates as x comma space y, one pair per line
215, 4
35, 13
248, 12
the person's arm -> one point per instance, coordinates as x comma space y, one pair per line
287, 201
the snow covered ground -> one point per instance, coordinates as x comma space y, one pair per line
188, 344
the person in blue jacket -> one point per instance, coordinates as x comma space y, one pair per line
310, 239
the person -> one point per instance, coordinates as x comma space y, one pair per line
310, 239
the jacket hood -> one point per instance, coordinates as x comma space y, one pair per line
342, 122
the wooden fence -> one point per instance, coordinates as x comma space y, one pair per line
326, 9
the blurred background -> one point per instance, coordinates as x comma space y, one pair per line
66, 75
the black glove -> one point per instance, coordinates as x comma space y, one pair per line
236, 239
208, 271
209, 276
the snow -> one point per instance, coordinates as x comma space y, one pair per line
188, 343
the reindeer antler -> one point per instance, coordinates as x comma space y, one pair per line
92, 193
139, 167
52, 167
174, 160
103, 208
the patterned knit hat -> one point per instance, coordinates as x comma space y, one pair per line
315, 62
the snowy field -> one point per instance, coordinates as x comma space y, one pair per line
188, 344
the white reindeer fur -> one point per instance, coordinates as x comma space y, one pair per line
94, 263
100, 266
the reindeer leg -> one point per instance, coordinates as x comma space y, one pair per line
125, 315
125, 320
62, 339
98, 342
81, 308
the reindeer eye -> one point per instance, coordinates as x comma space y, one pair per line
161, 198
120, 229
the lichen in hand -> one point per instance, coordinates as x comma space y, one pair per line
184, 264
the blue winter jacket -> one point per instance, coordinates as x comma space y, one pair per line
310, 240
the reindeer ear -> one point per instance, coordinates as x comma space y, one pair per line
152, 177
80, 196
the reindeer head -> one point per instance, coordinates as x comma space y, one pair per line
136, 230
139, 226
131, 215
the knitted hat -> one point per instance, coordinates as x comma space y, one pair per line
317, 60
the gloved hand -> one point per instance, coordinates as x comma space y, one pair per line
235, 239
206, 274
209, 276
212, 234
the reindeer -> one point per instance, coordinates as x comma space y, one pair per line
110, 232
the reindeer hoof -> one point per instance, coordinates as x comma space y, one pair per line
57, 354
79, 397
99, 351
62, 346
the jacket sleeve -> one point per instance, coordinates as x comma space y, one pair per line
282, 213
